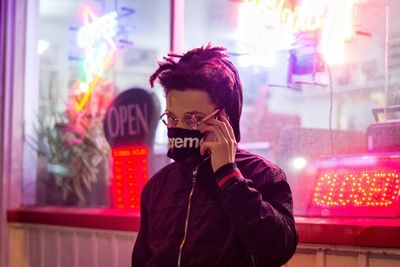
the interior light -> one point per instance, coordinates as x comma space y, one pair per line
299, 163
43, 45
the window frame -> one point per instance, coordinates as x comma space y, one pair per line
20, 60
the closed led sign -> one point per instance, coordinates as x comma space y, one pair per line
357, 185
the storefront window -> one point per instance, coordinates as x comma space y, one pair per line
89, 52
314, 74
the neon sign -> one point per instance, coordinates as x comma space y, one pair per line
300, 18
96, 38
332, 18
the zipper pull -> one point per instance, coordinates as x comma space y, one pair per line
197, 168
194, 175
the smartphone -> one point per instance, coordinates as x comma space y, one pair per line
210, 136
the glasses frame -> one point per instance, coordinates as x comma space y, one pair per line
196, 119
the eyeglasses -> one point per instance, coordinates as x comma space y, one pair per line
190, 120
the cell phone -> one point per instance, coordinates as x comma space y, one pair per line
210, 137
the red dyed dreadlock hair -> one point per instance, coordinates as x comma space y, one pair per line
207, 69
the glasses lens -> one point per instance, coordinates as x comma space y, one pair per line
169, 120
191, 121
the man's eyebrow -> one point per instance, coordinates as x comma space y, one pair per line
195, 112
169, 112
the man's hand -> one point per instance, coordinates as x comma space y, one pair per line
223, 149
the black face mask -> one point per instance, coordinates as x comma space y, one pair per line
184, 144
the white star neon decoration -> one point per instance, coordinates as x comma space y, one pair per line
96, 37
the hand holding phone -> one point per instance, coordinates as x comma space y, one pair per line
210, 136
219, 142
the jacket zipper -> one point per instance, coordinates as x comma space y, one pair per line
253, 262
187, 217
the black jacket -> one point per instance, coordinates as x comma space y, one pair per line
235, 218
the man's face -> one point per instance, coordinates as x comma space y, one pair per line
192, 101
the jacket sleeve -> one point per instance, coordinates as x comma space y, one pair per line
260, 212
141, 251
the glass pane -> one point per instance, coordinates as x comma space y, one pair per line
90, 52
314, 76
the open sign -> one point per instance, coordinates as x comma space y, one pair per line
132, 119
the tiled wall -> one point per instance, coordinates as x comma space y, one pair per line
33, 245
50, 246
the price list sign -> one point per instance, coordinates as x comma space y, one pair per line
130, 171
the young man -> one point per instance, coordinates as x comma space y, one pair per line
215, 205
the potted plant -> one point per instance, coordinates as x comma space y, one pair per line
73, 153
74, 162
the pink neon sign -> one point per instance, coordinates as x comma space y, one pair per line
299, 18
332, 18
